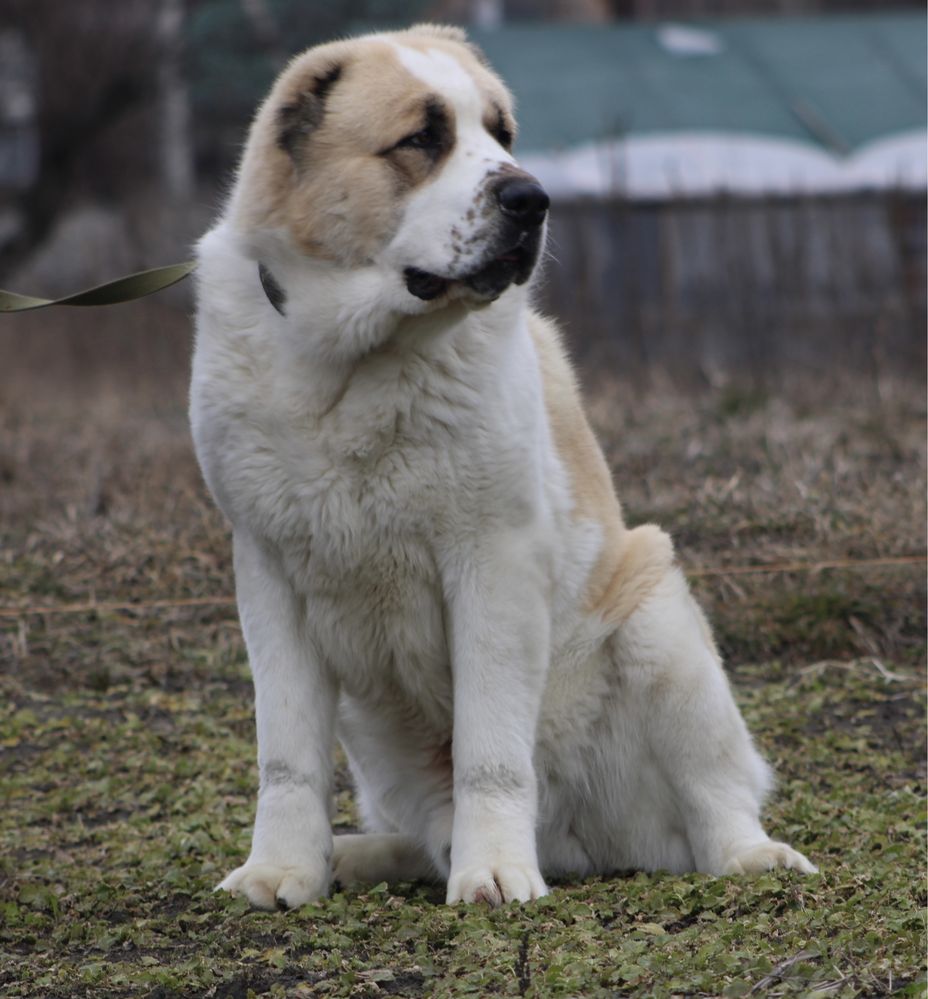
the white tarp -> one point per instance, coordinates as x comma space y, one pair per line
695, 164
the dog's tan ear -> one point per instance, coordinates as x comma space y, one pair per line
303, 113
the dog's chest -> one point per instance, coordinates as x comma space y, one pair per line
380, 625
359, 505
370, 512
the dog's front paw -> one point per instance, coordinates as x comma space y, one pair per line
267, 886
503, 882
767, 856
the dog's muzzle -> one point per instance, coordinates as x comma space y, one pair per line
523, 205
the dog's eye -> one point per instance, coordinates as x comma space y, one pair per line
425, 138
503, 136
433, 137
499, 128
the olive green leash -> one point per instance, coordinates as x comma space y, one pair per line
124, 289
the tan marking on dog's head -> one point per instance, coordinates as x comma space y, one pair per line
630, 563
333, 152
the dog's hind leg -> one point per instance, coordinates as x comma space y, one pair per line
369, 858
672, 680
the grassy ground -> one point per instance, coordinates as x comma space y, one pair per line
127, 738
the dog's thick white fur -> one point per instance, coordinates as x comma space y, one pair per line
430, 560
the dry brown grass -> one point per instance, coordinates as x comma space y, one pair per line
101, 499
793, 473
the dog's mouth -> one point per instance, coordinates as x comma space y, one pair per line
513, 266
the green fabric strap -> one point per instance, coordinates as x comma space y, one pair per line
123, 289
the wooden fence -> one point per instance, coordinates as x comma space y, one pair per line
742, 286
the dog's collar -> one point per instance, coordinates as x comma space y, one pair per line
275, 294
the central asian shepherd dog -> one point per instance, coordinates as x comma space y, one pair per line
431, 563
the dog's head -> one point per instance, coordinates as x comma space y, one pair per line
394, 151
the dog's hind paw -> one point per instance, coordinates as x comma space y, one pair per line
267, 886
765, 857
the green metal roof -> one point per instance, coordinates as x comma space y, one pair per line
837, 80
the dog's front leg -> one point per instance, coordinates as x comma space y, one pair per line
295, 701
499, 621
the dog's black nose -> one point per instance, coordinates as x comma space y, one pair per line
524, 201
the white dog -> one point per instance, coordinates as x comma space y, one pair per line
430, 560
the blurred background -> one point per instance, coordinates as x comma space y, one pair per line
738, 258
738, 186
